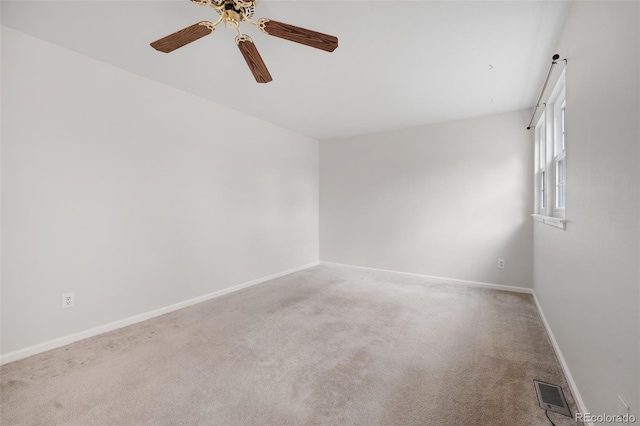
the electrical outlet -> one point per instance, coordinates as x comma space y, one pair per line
501, 264
68, 300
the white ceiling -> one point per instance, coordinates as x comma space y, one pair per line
399, 63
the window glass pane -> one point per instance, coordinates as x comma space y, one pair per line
562, 127
542, 151
542, 193
561, 196
561, 174
541, 142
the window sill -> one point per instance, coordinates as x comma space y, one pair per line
557, 222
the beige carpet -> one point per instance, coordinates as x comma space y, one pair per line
328, 345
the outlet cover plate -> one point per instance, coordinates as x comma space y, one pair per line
68, 300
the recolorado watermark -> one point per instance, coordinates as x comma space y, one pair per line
605, 418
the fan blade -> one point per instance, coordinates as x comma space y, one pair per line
304, 36
184, 36
253, 58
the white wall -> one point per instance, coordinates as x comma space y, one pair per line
445, 200
587, 278
134, 195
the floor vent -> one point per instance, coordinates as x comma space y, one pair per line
551, 398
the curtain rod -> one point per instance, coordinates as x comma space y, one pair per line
554, 62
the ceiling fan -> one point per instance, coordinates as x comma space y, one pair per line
232, 13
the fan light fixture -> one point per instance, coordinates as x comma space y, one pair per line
233, 13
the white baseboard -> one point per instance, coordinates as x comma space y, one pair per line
565, 368
63, 341
511, 288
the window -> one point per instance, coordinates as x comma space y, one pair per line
551, 158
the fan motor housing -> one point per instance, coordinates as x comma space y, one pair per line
240, 7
